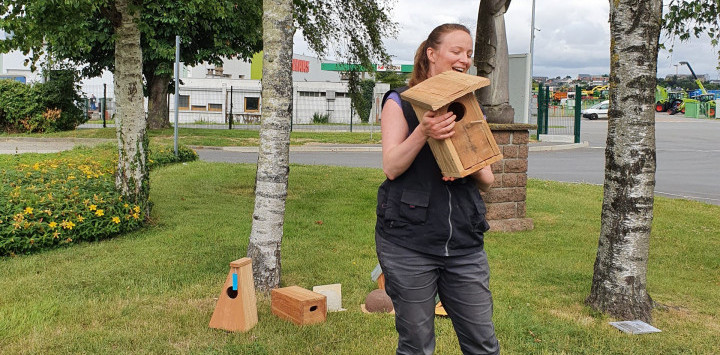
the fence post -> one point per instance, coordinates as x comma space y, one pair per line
87, 108
230, 119
104, 110
547, 110
540, 111
578, 108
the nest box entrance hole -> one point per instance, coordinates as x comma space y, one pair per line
458, 109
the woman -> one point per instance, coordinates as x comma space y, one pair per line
429, 231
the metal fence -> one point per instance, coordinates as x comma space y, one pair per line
315, 107
99, 102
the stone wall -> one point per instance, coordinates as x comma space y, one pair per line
506, 199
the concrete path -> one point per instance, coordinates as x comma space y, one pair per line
19, 145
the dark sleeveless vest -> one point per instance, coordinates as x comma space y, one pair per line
420, 211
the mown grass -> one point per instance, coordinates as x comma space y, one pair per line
154, 290
219, 137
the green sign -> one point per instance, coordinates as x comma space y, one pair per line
405, 68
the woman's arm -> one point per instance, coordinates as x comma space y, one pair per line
400, 149
484, 178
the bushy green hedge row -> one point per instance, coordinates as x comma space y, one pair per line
43, 107
62, 201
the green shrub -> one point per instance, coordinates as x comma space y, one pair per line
18, 104
166, 155
321, 117
51, 106
59, 202
61, 92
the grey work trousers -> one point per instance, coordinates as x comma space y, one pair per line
412, 279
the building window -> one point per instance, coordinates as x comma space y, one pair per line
184, 102
198, 108
311, 93
252, 104
215, 107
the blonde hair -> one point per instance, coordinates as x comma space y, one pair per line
422, 62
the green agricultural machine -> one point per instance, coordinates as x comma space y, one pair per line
669, 100
705, 101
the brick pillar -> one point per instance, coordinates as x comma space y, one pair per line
506, 199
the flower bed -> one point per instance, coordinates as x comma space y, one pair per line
61, 201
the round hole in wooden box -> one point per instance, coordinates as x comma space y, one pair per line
458, 109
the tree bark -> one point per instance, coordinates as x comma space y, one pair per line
619, 279
132, 178
274, 153
158, 113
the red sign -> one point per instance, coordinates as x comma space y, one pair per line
301, 65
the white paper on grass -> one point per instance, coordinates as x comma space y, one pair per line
333, 294
635, 327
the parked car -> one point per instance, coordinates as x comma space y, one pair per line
596, 111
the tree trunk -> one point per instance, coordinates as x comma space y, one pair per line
158, 113
619, 279
274, 155
132, 177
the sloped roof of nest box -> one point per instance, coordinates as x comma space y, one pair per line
442, 89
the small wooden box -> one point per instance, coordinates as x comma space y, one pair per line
472, 147
299, 305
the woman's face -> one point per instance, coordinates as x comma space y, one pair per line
453, 53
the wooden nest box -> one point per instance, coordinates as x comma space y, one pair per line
472, 147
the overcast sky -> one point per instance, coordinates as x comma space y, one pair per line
573, 36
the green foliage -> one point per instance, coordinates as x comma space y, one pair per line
362, 99
395, 79
51, 202
17, 104
61, 92
321, 118
42, 107
686, 18
58, 202
166, 155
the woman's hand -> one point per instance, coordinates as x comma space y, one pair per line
436, 126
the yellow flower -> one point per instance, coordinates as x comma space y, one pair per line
56, 235
28, 210
93, 207
99, 213
136, 215
126, 205
52, 224
67, 224
80, 218
136, 208
116, 219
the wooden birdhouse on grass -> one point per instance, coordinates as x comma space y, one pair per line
472, 147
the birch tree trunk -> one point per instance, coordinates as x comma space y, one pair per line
132, 178
619, 279
271, 180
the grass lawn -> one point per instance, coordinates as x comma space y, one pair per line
219, 137
154, 290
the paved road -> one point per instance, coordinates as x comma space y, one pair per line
688, 158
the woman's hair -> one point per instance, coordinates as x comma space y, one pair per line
422, 62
